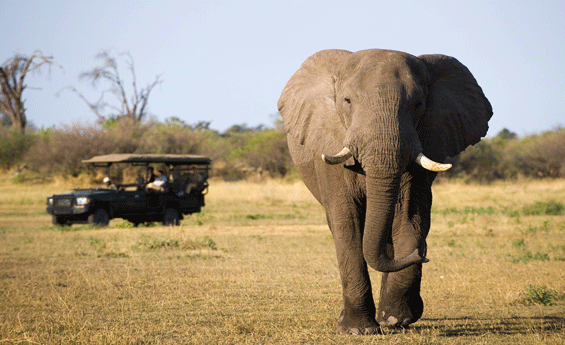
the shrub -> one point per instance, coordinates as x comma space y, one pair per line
548, 208
536, 156
506, 156
478, 163
175, 136
539, 294
13, 145
63, 150
147, 242
266, 150
124, 135
528, 256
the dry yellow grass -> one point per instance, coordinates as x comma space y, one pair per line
258, 267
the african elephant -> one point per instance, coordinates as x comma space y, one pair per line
391, 116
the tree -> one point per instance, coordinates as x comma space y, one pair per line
506, 134
12, 85
242, 128
133, 107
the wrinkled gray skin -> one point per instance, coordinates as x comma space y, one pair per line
385, 107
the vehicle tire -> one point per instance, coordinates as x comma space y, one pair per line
137, 221
171, 217
100, 217
59, 220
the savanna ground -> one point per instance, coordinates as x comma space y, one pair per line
258, 266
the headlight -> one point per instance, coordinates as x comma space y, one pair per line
82, 201
50, 201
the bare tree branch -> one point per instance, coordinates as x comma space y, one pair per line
132, 107
95, 107
12, 84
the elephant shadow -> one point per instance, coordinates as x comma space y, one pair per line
470, 326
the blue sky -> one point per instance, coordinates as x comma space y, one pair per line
228, 61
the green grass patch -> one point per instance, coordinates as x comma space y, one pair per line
466, 210
545, 208
146, 242
540, 208
540, 294
528, 256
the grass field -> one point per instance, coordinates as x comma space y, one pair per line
258, 266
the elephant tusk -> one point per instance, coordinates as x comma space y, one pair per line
341, 157
429, 164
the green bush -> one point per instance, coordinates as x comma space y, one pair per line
63, 150
267, 151
146, 242
547, 208
537, 156
508, 157
528, 256
540, 294
13, 146
479, 162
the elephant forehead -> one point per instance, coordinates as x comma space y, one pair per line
391, 74
396, 71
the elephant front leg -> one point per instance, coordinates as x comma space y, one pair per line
400, 303
358, 314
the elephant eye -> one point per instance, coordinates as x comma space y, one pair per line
348, 100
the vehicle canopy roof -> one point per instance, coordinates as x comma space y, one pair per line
169, 159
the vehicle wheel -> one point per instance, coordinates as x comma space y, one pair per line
100, 217
171, 217
136, 222
59, 220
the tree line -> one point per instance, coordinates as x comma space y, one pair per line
237, 153
122, 126
241, 151
508, 157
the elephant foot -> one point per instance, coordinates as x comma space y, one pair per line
400, 314
357, 326
358, 331
392, 321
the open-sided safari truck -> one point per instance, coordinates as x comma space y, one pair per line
183, 194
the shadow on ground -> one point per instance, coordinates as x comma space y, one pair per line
468, 326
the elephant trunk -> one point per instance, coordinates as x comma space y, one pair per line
383, 138
382, 195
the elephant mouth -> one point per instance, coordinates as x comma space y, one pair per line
421, 160
356, 167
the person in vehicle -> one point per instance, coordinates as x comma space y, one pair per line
149, 176
108, 183
160, 182
196, 181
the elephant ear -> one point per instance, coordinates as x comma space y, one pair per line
457, 111
307, 103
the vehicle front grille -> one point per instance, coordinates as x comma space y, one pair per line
63, 202
63, 205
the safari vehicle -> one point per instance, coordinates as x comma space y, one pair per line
182, 195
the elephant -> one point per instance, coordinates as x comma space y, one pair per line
393, 118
